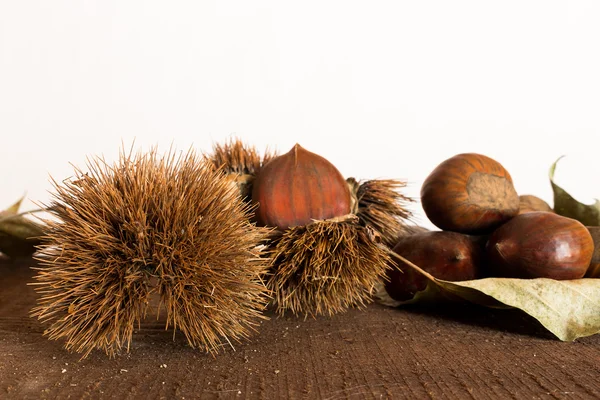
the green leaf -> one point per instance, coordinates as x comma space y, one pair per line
566, 205
19, 235
568, 309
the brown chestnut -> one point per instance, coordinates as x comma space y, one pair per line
298, 187
446, 255
529, 203
540, 245
469, 193
593, 270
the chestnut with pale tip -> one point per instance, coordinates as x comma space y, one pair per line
469, 193
540, 245
297, 188
530, 203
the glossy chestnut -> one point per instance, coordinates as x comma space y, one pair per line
540, 245
446, 255
297, 188
469, 193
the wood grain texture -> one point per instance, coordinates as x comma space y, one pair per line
454, 352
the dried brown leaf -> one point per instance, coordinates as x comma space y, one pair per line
568, 309
19, 235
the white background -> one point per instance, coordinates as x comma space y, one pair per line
380, 88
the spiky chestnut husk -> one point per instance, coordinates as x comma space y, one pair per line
380, 205
324, 259
326, 267
172, 220
240, 162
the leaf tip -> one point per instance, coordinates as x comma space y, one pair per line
553, 167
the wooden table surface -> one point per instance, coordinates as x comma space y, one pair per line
454, 352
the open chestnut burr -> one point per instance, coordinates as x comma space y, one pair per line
240, 163
326, 247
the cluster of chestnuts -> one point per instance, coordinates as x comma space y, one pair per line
487, 230
219, 237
